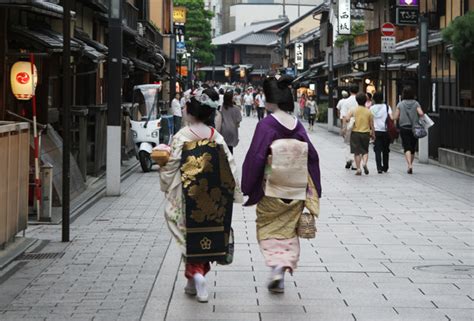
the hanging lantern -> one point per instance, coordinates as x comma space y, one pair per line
242, 72
23, 81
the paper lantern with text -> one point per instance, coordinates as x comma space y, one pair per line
22, 81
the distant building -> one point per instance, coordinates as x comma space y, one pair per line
237, 14
252, 47
215, 6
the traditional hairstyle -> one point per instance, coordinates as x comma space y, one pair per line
203, 104
277, 91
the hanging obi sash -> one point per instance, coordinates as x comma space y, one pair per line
286, 173
208, 189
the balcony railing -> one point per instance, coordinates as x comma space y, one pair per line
130, 16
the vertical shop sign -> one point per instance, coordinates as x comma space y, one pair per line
299, 55
344, 17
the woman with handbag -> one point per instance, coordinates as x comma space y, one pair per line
407, 114
281, 175
199, 181
381, 112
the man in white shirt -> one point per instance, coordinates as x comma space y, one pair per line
348, 104
260, 99
248, 102
177, 112
344, 95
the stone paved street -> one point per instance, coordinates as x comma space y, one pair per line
389, 247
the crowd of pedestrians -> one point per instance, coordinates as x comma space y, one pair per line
364, 118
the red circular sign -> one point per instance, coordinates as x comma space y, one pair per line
388, 29
22, 77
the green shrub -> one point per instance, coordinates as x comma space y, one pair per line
323, 113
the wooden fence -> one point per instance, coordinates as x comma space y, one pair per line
14, 173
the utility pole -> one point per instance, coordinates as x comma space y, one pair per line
424, 83
66, 118
114, 99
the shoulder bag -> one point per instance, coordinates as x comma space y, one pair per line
392, 130
417, 128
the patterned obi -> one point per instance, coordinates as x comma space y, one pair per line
287, 170
208, 189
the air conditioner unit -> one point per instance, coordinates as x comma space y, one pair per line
140, 29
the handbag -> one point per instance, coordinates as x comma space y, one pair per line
306, 227
392, 130
417, 127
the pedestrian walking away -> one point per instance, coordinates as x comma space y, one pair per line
231, 118
313, 112
260, 103
200, 167
248, 102
347, 105
407, 114
380, 113
302, 103
281, 203
177, 112
362, 131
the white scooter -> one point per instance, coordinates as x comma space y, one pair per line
146, 124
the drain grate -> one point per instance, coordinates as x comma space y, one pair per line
40, 256
457, 269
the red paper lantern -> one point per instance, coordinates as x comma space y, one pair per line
23, 81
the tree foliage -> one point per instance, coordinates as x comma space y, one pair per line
357, 28
198, 28
460, 33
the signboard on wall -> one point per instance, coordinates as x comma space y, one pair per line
407, 16
299, 55
179, 14
344, 17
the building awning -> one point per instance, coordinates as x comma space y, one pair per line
211, 68
301, 76
369, 59
142, 65
91, 52
37, 6
83, 36
413, 66
321, 64
259, 72
395, 65
51, 40
434, 39
355, 75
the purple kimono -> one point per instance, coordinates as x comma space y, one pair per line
268, 130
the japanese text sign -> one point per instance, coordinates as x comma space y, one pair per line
179, 15
344, 17
299, 55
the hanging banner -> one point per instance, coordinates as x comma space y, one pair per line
344, 17
299, 55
